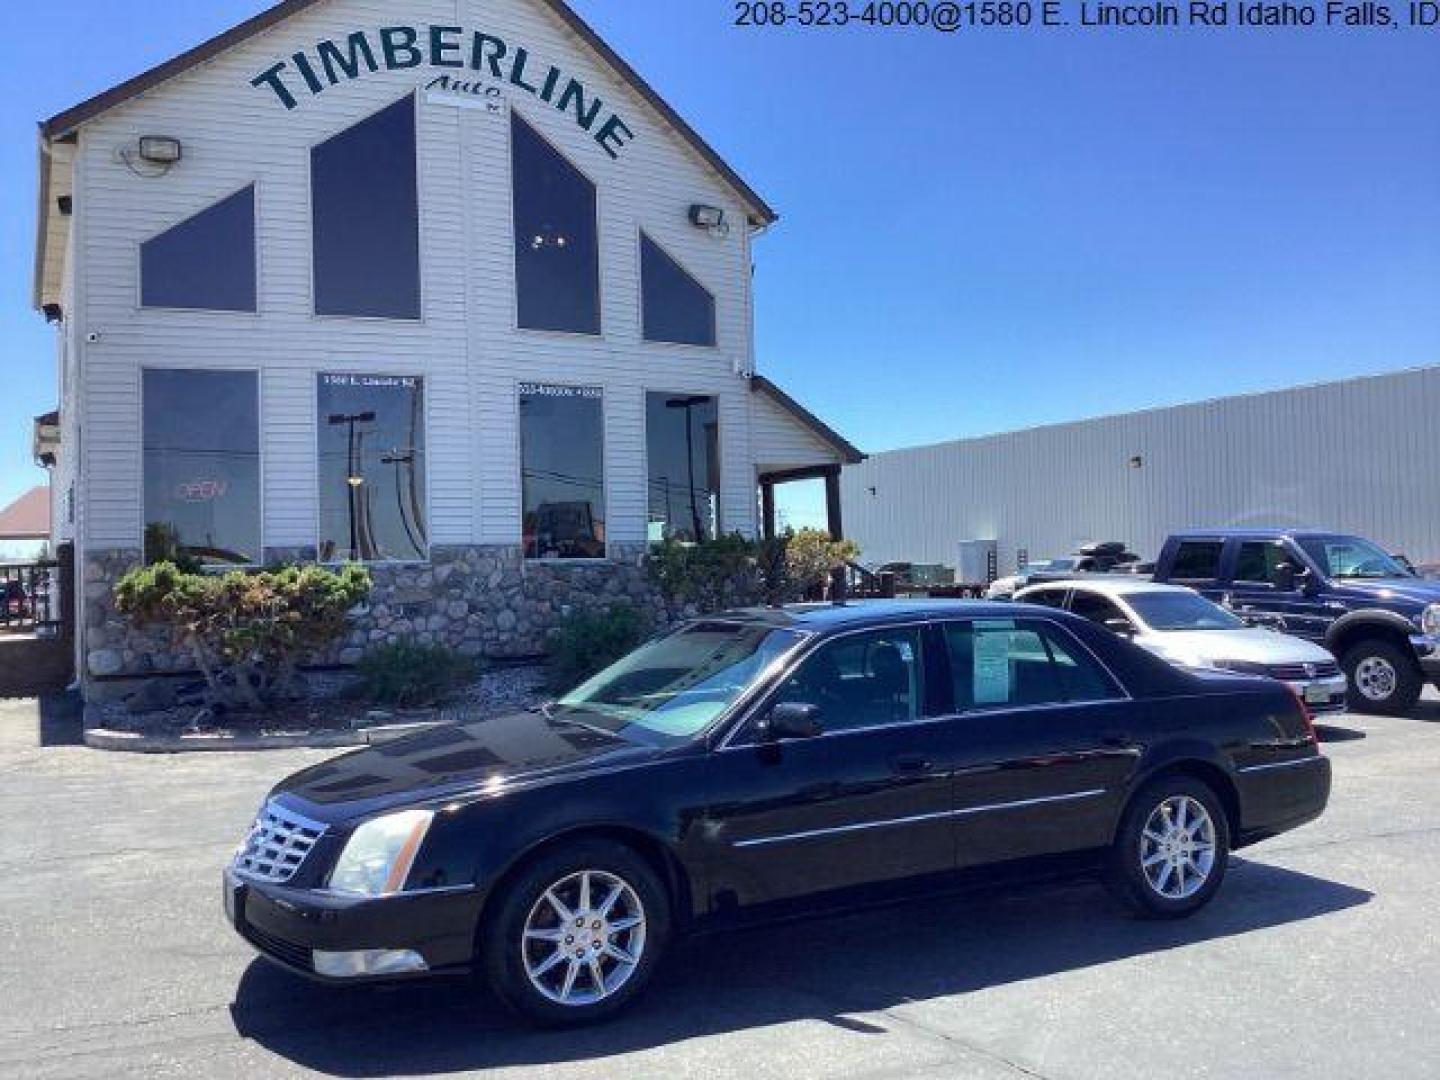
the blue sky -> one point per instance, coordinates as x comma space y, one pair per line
979, 231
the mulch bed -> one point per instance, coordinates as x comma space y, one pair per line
331, 705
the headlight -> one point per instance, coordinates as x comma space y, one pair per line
377, 858
1430, 620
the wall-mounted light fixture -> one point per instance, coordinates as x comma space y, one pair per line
156, 152
65, 204
54, 313
160, 150
1137, 462
709, 218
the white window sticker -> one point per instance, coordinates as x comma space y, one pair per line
992, 666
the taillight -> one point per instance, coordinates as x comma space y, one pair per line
1305, 714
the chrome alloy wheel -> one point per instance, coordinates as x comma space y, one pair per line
1177, 848
584, 938
1376, 678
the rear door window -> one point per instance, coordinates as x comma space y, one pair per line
1197, 560
1096, 608
1015, 663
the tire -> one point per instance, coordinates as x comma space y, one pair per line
1151, 892
514, 955
1381, 678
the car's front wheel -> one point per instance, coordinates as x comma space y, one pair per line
577, 933
1383, 678
1172, 849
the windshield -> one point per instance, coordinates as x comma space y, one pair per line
1167, 611
676, 686
1351, 557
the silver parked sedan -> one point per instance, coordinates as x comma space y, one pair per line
1187, 629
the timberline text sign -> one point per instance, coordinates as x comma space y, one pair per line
402, 48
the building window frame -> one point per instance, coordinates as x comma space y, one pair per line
513, 114
576, 384
237, 369
720, 435
315, 314
378, 370
139, 261
643, 234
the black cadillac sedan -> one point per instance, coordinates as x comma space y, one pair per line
768, 763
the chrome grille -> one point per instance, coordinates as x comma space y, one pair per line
277, 845
1304, 672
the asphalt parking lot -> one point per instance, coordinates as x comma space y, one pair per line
1319, 959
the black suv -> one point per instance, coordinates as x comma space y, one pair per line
1366, 606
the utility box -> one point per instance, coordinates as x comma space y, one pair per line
976, 563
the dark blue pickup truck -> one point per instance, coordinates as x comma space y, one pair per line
1367, 607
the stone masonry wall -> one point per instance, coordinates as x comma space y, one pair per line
479, 600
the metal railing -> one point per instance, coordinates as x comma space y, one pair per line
29, 598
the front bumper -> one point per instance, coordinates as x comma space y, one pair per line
288, 926
1427, 651
1322, 696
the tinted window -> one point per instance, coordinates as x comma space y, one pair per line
562, 455
202, 466
682, 439
1257, 562
1001, 663
372, 468
861, 680
365, 214
1051, 598
205, 263
1096, 608
1197, 560
557, 254
677, 307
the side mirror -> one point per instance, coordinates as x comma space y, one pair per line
1309, 583
1123, 627
1285, 577
791, 720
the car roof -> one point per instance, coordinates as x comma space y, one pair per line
1108, 585
1251, 534
822, 618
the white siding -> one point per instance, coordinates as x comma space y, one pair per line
467, 347
1356, 456
781, 443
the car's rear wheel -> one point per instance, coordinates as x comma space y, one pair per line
1172, 849
1382, 678
577, 933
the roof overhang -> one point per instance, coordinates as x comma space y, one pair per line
844, 449
64, 125
52, 228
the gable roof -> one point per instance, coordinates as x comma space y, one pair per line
843, 448
28, 517
65, 123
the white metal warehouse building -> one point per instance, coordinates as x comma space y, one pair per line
1356, 456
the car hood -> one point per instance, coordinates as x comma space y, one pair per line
1418, 591
1252, 644
454, 761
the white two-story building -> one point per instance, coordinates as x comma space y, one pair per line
439, 285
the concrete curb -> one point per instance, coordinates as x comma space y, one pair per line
99, 738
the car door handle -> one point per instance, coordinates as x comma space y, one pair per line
911, 764
1115, 738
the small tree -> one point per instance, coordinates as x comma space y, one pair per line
810, 555
247, 632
